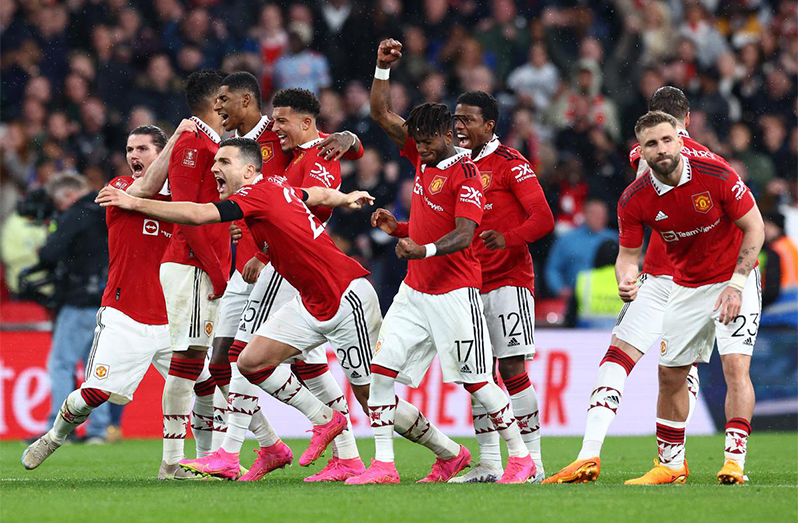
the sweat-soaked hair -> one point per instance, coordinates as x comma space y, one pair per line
429, 119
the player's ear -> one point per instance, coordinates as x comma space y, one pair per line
490, 125
246, 98
306, 123
448, 137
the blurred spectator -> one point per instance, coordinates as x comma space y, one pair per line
596, 301
698, 27
657, 33
272, 40
784, 311
161, 90
535, 82
504, 36
301, 67
575, 251
759, 166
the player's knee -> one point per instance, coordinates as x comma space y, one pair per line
246, 364
511, 367
671, 379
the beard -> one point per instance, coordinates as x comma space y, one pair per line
664, 168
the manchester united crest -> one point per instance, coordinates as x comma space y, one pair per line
101, 371
487, 179
267, 151
702, 202
208, 328
437, 184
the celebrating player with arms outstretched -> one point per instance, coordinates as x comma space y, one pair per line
713, 232
131, 328
438, 308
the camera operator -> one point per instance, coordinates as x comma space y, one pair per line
77, 254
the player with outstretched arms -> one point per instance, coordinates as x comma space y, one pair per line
132, 329
437, 309
713, 232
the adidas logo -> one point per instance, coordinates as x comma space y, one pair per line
356, 374
748, 341
242, 327
661, 216
465, 369
513, 343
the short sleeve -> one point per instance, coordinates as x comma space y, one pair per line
185, 161
736, 198
410, 152
630, 226
470, 200
251, 200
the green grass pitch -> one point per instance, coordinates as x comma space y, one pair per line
116, 483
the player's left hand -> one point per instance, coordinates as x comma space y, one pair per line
493, 240
335, 145
407, 249
358, 199
186, 126
235, 233
113, 197
729, 303
252, 270
627, 290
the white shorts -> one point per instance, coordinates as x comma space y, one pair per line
510, 315
268, 295
122, 352
691, 326
640, 321
419, 325
192, 316
352, 332
231, 306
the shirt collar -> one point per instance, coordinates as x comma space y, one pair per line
308, 145
489, 148
663, 188
205, 128
683, 133
256, 131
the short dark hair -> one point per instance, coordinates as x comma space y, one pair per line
486, 103
300, 100
155, 133
670, 100
201, 89
244, 81
248, 150
429, 119
651, 119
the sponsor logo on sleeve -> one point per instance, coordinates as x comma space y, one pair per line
739, 189
190, 158
151, 227
322, 174
702, 202
523, 172
471, 195
437, 184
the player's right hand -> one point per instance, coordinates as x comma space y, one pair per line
388, 52
186, 126
627, 290
383, 219
252, 269
113, 197
235, 232
358, 199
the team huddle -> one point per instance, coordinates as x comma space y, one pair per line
269, 304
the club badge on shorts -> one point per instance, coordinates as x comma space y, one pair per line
208, 328
101, 371
437, 184
663, 348
702, 202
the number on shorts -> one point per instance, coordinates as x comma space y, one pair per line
346, 359
250, 310
754, 318
514, 330
461, 345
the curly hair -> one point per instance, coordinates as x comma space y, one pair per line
300, 100
429, 119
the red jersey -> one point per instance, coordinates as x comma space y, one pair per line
451, 189
190, 179
309, 169
136, 243
656, 261
695, 219
514, 206
300, 249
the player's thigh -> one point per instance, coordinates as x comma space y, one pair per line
162, 358
354, 330
460, 335
404, 344
739, 336
640, 321
192, 316
510, 318
121, 354
291, 325
268, 295
231, 306
688, 331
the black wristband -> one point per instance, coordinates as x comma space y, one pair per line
305, 195
229, 210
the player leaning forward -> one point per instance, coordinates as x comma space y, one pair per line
132, 330
713, 232
438, 308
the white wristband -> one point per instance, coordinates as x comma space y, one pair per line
738, 281
382, 74
431, 250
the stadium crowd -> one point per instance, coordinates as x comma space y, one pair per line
571, 77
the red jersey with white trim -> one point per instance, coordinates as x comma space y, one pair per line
190, 179
451, 189
300, 249
695, 219
656, 261
309, 169
136, 243
514, 206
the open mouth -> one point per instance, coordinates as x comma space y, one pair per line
221, 185
225, 118
464, 141
137, 166
283, 139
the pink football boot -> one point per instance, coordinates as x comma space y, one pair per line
269, 458
220, 464
519, 470
338, 470
380, 472
445, 469
322, 436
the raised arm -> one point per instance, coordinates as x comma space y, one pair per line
186, 213
324, 197
148, 185
388, 53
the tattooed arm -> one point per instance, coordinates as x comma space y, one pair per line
453, 241
388, 53
731, 298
